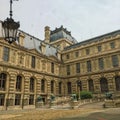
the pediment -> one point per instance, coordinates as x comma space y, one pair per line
53, 57
34, 51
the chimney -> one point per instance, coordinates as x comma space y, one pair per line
47, 34
21, 39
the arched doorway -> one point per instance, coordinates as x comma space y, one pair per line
104, 85
91, 85
117, 83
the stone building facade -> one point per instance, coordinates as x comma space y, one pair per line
31, 67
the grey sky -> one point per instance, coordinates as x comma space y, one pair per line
84, 18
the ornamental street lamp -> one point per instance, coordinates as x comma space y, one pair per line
10, 27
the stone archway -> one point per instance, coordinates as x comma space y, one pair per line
104, 85
117, 83
90, 85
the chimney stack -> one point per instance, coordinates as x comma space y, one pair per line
47, 34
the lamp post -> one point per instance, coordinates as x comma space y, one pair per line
78, 85
10, 27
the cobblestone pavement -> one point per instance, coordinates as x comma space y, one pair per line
107, 114
92, 111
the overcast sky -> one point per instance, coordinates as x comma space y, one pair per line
84, 18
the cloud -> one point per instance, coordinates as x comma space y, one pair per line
84, 18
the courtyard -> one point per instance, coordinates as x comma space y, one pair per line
93, 111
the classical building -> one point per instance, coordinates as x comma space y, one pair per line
31, 67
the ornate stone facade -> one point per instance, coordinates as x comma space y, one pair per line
31, 68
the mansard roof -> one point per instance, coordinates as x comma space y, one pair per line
32, 42
60, 33
95, 39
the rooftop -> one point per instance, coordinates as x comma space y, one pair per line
60, 33
95, 39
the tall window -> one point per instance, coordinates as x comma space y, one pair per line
6, 54
33, 62
91, 85
112, 45
99, 48
69, 87
3, 78
52, 86
115, 61
60, 87
101, 63
31, 84
67, 56
52, 67
77, 67
68, 69
42, 86
79, 85
18, 83
2, 99
89, 66
104, 85
76, 54
31, 99
87, 51
117, 83
17, 99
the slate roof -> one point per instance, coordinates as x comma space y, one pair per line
61, 32
95, 39
32, 42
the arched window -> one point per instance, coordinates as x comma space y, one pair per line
91, 85
69, 87
18, 83
42, 86
31, 84
104, 85
117, 83
52, 86
79, 85
3, 78
60, 87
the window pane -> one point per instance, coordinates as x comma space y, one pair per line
101, 63
33, 62
42, 86
52, 67
52, 86
6, 54
31, 100
69, 87
87, 51
99, 48
3, 78
68, 69
17, 99
60, 87
89, 66
104, 85
18, 83
2, 99
91, 86
31, 85
115, 62
77, 67
112, 45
